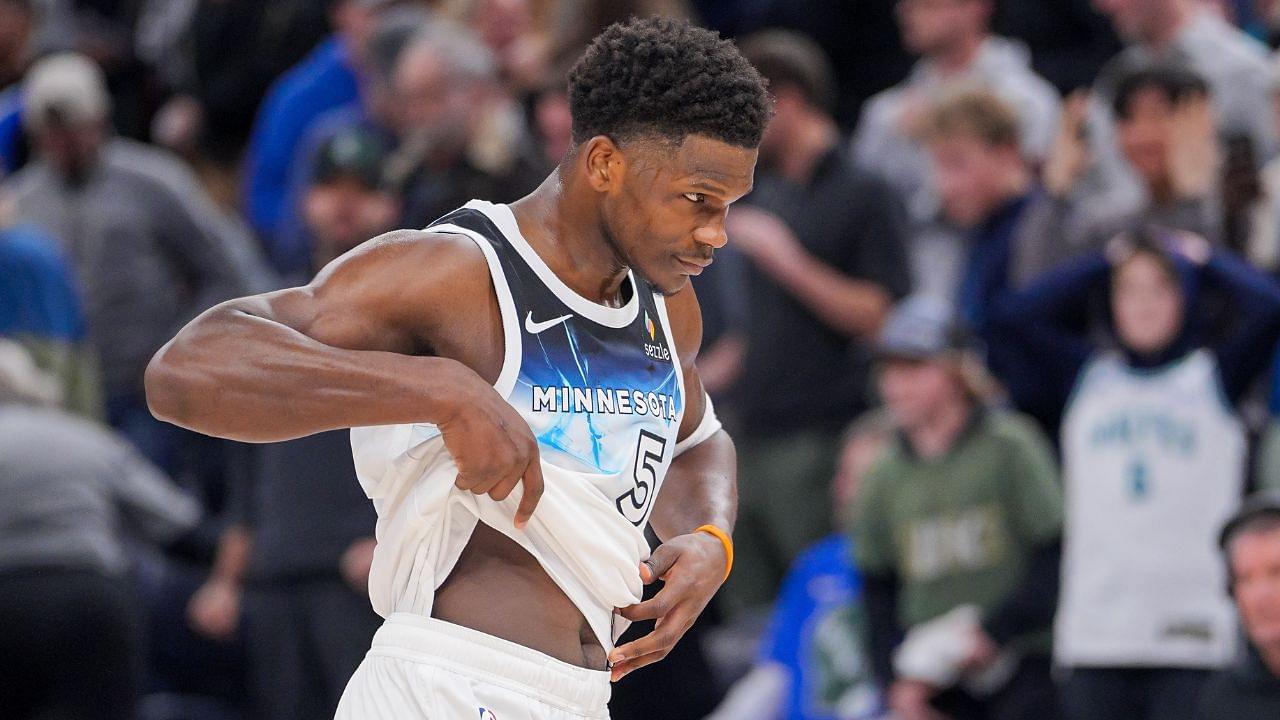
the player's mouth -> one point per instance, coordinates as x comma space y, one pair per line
693, 266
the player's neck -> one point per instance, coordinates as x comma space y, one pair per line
934, 438
569, 237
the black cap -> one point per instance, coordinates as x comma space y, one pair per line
1258, 505
354, 153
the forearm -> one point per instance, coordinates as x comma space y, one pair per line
235, 374
855, 308
700, 489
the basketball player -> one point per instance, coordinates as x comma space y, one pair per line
519, 381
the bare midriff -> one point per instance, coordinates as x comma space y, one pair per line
499, 589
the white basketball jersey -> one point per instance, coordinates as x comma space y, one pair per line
601, 389
1153, 464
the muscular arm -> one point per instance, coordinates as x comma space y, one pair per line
700, 489
344, 351
701, 486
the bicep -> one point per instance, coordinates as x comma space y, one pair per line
386, 295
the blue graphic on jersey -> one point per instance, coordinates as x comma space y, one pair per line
587, 395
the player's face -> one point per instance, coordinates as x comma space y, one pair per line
971, 177
666, 218
1144, 136
1255, 569
1146, 304
914, 390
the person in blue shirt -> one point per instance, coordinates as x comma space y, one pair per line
324, 80
40, 309
811, 664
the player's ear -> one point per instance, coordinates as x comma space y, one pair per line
605, 163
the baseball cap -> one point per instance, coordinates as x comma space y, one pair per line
354, 153
919, 328
67, 87
1258, 505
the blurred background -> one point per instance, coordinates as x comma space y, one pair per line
995, 334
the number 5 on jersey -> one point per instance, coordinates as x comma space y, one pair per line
634, 504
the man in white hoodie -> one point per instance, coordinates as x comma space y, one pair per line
958, 52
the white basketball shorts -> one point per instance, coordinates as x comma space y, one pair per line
420, 668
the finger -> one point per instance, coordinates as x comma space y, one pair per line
532, 481
647, 650
669, 629
659, 563
501, 491
653, 608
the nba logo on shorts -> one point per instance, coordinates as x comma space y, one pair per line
486, 714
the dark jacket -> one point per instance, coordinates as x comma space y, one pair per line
1244, 691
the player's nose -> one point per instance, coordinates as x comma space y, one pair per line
712, 232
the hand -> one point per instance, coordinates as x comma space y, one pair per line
1069, 156
1195, 156
214, 611
909, 700
983, 651
764, 239
355, 564
693, 568
492, 446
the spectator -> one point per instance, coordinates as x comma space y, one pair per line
958, 52
40, 308
512, 32
296, 563
348, 201
464, 137
1262, 221
812, 663
957, 535
1188, 34
1153, 456
15, 55
377, 112
1165, 134
148, 247
326, 79
74, 494
825, 257
1250, 689
1069, 39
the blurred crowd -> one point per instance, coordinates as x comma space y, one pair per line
995, 334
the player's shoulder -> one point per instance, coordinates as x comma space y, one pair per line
410, 263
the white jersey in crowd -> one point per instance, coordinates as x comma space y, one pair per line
1153, 463
602, 390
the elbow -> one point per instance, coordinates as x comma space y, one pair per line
167, 389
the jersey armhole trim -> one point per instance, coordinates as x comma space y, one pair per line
506, 381
660, 304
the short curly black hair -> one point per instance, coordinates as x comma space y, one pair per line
667, 78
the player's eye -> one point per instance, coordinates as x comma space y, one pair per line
695, 197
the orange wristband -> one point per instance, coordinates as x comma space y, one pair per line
725, 540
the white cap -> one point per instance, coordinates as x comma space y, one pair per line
69, 84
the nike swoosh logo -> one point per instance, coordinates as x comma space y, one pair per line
536, 327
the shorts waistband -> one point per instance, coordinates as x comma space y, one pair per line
525, 670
